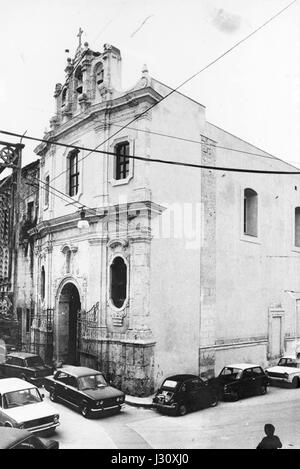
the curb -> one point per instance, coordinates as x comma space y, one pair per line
144, 405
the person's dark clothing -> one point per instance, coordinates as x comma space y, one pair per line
270, 442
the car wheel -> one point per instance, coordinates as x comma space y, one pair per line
182, 410
263, 390
295, 382
52, 396
214, 401
85, 410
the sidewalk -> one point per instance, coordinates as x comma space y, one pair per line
145, 402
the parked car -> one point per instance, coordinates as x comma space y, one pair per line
13, 438
22, 406
287, 372
179, 394
27, 366
240, 380
84, 389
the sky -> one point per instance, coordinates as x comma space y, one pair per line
253, 92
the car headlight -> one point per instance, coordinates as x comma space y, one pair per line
56, 418
100, 402
21, 426
286, 375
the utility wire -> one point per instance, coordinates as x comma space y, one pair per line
198, 142
184, 83
166, 96
155, 160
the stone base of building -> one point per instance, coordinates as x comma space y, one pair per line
127, 365
207, 361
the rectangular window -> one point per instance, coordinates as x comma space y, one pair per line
122, 161
47, 188
30, 211
297, 227
73, 173
27, 320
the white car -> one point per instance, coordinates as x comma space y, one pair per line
286, 371
22, 406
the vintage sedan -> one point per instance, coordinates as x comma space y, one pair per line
13, 438
27, 366
240, 380
84, 389
22, 406
179, 394
286, 372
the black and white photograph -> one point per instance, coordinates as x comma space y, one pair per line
150, 227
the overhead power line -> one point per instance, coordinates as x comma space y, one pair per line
185, 82
154, 160
162, 99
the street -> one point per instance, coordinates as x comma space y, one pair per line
234, 425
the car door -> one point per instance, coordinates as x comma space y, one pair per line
1, 411
72, 392
259, 379
204, 397
247, 383
9, 368
192, 394
61, 390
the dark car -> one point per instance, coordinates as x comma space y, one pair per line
13, 438
27, 366
85, 389
179, 394
240, 380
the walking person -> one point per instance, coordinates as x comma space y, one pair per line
270, 441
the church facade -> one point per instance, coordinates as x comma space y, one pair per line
144, 269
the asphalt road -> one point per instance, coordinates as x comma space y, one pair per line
230, 425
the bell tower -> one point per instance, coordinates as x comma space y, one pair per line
91, 77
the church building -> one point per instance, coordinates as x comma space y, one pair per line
145, 269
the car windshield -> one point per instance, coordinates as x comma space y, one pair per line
231, 373
91, 382
20, 398
34, 361
169, 384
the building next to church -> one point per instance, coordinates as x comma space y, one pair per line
17, 292
180, 269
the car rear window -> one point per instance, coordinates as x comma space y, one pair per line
169, 384
34, 361
233, 373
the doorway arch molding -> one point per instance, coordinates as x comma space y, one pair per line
80, 285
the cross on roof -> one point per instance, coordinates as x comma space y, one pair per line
80, 32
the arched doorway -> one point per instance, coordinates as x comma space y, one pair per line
68, 307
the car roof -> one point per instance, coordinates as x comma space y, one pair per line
78, 371
292, 357
21, 354
9, 436
242, 366
182, 377
14, 384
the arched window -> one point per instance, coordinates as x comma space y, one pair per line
250, 212
297, 226
118, 282
99, 74
73, 172
121, 170
78, 78
64, 96
68, 261
43, 283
